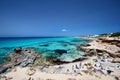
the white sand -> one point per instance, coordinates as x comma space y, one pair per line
21, 74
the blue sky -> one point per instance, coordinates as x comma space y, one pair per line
20, 18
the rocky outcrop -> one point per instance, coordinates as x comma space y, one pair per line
118, 45
117, 55
85, 45
27, 59
112, 42
21, 57
79, 59
18, 49
58, 62
3, 69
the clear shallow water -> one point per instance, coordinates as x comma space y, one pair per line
45, 45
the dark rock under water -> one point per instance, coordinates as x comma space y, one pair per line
60, 51
44, 44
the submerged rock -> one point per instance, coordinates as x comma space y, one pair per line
60, 51
44, 44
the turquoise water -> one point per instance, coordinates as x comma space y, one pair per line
45, 45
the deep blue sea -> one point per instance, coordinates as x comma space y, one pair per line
45, 45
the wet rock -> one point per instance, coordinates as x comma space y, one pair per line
81, 48
79, 59
18, 49
60, 51
85, 45
58, 62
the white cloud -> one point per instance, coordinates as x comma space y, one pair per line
64, 30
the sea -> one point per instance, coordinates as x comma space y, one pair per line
46, 46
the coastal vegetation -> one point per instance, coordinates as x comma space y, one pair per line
114, 34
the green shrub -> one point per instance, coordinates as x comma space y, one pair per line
115, 34
105, 34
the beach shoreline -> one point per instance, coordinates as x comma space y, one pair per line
98, 66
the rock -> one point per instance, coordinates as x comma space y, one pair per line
100, 54
14, 69
3, 78
60, 51
85, 45
117, 55
3, 69
118, 45
79, 59
28, 59
50, 79
58, 62
44, 44
112, 42
31, 71
18, 49
116, 60
81, 48
71, 79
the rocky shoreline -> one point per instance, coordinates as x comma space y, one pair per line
101, 58
21, 57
